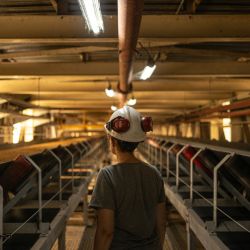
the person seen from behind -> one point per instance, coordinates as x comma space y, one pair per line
128, 196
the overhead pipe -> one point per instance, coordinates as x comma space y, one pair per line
129, 20
233, 106
235, 109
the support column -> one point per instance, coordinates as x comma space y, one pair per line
237, 135
85, 209
62, 240
214, 130
205, 130
246, 130
190, 237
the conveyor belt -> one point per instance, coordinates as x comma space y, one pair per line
227, 226
22, 215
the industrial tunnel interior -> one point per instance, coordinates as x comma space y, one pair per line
67, 65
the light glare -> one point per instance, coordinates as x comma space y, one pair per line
92, 13
110, 92
113, 108
147, 72
132, 101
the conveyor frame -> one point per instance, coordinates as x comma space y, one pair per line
59, 222
204, 230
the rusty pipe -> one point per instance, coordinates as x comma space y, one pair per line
129, 20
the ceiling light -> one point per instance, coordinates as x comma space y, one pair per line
132, 101
113, 108
147, 72
92, 13
109, 91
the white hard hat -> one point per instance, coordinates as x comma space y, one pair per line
135, 132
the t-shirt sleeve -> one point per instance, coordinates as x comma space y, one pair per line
162, 197
103, 195
161, 189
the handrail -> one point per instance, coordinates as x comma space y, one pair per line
207, 145
201, 147
39, 171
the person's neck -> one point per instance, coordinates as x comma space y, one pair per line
126, 158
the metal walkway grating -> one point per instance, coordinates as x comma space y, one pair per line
87, 241
73, 237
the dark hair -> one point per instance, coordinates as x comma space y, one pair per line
127, 146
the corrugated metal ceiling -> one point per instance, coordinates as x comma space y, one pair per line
109, 7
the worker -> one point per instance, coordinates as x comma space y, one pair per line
128, 196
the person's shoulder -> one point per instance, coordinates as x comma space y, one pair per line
153, 169
107, 170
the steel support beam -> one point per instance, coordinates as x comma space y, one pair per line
171, 69
187, 88
160, 26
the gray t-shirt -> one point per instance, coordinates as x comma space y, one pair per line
132, 191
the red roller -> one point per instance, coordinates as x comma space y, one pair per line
188, 153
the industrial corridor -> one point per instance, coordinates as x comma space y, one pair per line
124, 124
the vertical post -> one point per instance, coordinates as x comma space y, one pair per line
88, 143
72, 167
178, 165
190, 237
1, 218
39, 171
192, 173
60, 172
84, 146
215, 191
85, 208
61, 240
161, 160
168, 162
79, 150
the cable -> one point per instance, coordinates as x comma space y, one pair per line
43, 206
179, 7
211, 203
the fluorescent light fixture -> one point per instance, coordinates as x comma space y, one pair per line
147, 72
113, 108
131, 101
92, 13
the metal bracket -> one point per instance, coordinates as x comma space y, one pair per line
177, 165
84, 146
192, 173
215, 189
79, 150
161, 160
72, 167
168, 164
60, 172
39, 171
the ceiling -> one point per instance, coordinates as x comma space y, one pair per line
49, 59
